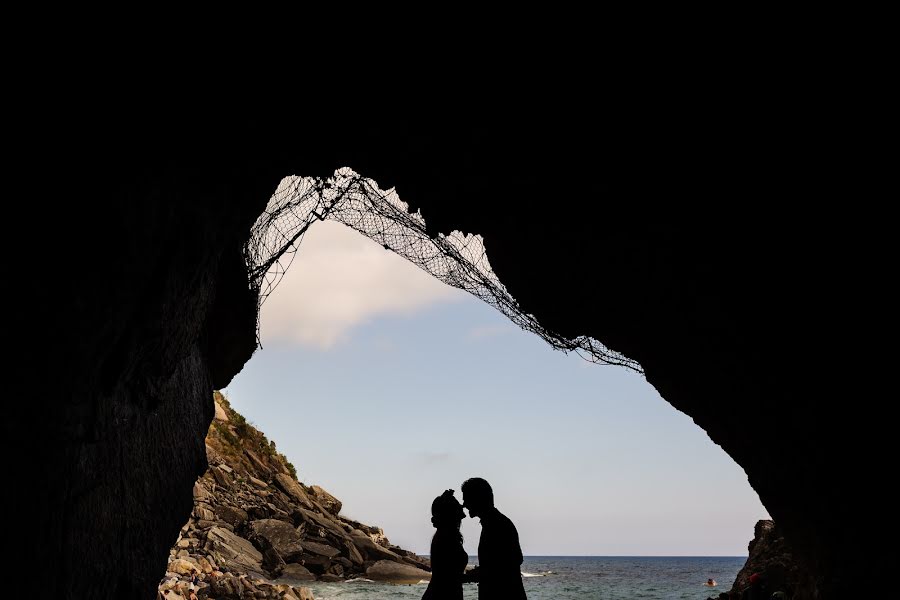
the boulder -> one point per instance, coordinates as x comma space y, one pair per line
292, 489
412, 558
328, 502
322, 521
393, 572
201, 494
281, 536
181, 566
256, 512
320, 549
228, 586
294, 572
417, 562
277, 513
205, 565
203, 513
258, 482
273, 562
353, 553
222, 478
257, 463
372, 550
238, 554
293, 593
377, 535
232, 515
315, 563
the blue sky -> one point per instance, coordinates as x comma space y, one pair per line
385, 387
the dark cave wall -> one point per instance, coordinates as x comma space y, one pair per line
139, 310
746, 314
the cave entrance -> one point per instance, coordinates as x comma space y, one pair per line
386, 386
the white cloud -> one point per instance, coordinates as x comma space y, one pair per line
340, 279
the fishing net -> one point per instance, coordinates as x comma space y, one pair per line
357, 202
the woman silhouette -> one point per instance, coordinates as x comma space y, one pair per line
448, 558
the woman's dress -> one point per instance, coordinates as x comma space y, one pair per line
448, 563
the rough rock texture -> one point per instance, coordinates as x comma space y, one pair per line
113, 375
770, 557
718, 234
262, 532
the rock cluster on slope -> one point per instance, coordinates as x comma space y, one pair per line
256, 531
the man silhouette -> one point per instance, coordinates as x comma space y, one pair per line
498, 572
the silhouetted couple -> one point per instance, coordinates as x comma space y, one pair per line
498, 572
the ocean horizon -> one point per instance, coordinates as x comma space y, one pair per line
571, 577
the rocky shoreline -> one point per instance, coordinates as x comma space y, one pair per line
256, 531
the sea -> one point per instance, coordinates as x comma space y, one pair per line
580, 577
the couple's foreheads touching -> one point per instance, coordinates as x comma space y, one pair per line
498, 573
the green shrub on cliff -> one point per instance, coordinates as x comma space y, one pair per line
231, 437
288, 466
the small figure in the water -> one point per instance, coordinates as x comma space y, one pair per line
711, 582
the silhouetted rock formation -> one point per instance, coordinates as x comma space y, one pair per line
691, 236
252, 517
770, 557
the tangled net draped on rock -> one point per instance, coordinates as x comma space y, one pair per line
357, 202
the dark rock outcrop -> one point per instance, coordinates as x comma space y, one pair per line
770, 567
113, 379
771, 559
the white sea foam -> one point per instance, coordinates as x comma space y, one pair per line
524, 574
360, 579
